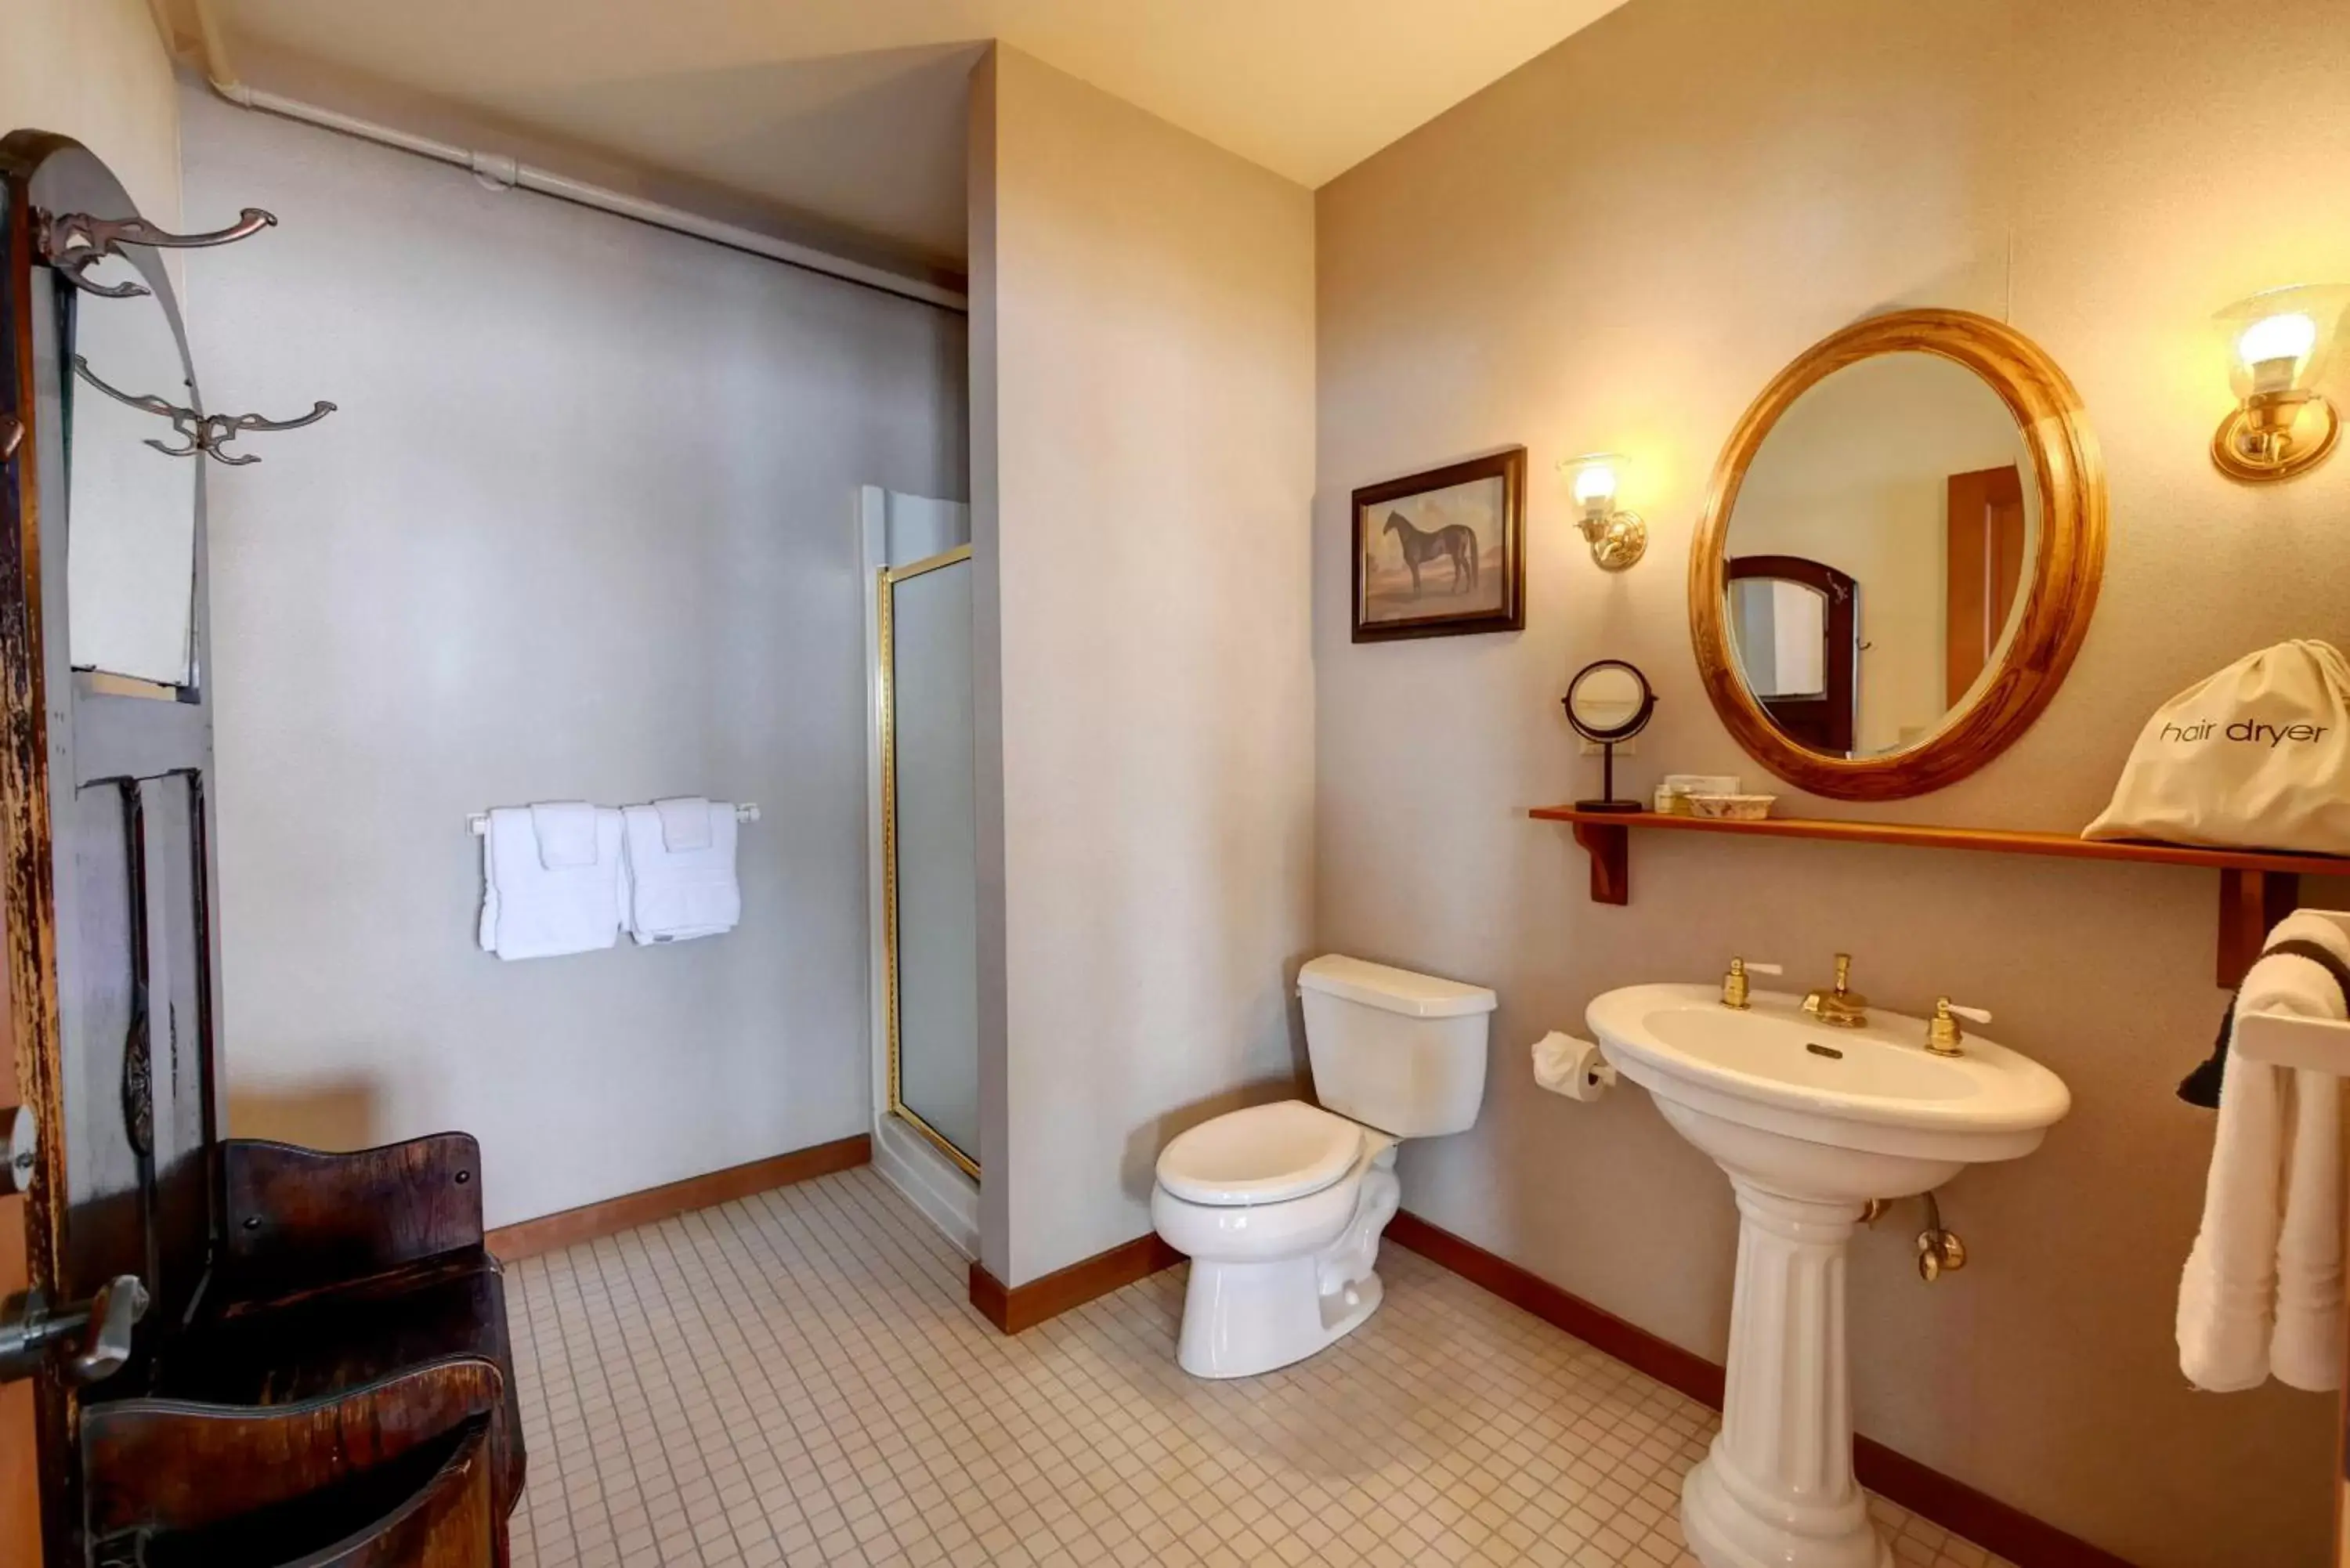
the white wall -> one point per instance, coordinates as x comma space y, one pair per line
1143, 403
97, 70
1615, 248
584, 526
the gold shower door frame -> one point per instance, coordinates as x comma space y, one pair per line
885, 581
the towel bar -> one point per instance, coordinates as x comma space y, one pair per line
2318, 1043
478, 824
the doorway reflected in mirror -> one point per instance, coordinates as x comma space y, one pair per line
1875, 553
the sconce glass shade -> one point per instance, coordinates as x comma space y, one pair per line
1594, 479
2282, 340
1617, 538
2281, 346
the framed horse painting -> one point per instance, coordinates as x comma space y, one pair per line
1442, 553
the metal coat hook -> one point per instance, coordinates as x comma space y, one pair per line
206, 433
73, 242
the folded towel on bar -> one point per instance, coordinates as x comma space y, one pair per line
2261, 1291
684, 822
676, 895
566, 833
532, 910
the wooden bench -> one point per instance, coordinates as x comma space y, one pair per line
340, 1279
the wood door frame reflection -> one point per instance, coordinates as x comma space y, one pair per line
2059, 595
1840, 634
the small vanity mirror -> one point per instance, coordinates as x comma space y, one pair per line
1899, 556
130, 508
1607, 703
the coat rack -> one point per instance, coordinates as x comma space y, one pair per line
73, 242
206, 433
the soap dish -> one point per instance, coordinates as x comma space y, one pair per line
1731, 807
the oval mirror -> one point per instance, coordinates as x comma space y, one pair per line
1899, 556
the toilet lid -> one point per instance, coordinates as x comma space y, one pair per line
1261, 1155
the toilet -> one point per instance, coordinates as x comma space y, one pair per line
1280, 1207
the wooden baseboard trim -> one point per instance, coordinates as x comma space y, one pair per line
1955, 1506
552, 1232
1012, 1308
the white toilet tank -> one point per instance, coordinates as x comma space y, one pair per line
1401, 1052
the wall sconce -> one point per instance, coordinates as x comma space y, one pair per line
2278, 346
1617, 538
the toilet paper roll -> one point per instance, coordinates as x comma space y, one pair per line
1565, 1066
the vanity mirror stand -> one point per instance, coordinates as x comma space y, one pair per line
1607, 703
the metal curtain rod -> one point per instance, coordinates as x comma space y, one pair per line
494, 169
478, 824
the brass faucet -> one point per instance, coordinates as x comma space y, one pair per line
1733, 984
1943, 1036
1843, 1008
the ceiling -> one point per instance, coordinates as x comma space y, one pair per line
850, 112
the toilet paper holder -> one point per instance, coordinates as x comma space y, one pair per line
1572, 1067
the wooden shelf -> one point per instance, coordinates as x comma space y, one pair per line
2258, 888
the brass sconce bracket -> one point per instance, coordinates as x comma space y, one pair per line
1617, 539
2255, 444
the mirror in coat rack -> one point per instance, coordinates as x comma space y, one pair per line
131, 505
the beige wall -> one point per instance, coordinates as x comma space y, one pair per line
1143, 380
96, 70
1615, 248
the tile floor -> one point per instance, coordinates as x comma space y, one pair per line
796, 1379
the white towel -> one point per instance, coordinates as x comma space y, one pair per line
2261, 1293
566, 833
532, 911
676, 895
685, 822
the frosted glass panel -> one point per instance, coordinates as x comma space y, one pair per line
130, 510
936, 839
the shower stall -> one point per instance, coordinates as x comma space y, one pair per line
925, 874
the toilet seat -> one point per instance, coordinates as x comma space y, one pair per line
1264, 1154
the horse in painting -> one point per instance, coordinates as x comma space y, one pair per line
1456, 541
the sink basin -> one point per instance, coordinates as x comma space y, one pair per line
1851, 1113
1810, 1122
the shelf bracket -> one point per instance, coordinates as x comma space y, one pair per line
1611, 861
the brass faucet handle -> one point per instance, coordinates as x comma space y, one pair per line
1943, 1036
1844, 973
1733, 984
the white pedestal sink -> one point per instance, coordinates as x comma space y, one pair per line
1809, 1122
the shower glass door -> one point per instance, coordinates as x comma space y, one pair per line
929, 851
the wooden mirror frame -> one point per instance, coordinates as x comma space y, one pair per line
2059, 597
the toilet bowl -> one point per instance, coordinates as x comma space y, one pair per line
1280, 1207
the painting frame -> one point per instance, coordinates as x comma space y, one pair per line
1509, 466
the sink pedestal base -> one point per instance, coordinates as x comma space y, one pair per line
1777, 1490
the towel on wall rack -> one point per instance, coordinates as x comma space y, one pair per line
676, 895
684, 822
2261, 1291
566, 833
531, 908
